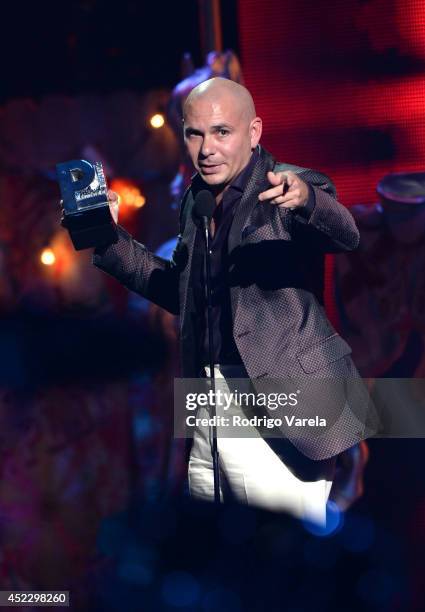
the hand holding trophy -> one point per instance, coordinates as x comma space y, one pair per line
90, 212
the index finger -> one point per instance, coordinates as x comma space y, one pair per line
274, 192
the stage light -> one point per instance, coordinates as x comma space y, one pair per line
130, 194
157, 121
138, 201
47, 257
334, 522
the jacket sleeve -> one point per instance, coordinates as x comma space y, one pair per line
330, 225
140, 270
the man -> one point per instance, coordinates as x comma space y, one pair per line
271, 227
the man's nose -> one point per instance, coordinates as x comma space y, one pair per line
207, 147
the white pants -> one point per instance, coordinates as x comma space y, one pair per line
253, 472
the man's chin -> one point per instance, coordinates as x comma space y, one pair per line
213, 179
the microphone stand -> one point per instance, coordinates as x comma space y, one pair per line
215, 453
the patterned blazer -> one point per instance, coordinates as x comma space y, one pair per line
276, 276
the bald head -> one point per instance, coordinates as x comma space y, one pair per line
219, 89
220, 131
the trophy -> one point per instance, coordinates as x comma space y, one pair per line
86, 213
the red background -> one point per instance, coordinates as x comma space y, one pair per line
340, 85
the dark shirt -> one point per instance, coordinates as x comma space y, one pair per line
224, 347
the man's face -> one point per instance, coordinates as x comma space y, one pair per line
219, 139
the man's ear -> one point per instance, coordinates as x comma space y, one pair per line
255, 130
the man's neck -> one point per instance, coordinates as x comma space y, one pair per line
218, 192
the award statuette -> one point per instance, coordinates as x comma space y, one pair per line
86, 213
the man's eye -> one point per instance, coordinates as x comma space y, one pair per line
223, 132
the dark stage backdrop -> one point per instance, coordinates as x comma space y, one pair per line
340, 85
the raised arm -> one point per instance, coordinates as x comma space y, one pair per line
140, 270
310, 196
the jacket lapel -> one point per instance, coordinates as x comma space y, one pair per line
256, 184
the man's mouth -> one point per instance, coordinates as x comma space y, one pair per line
210, 168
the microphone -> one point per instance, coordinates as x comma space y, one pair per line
204, 207
202, 212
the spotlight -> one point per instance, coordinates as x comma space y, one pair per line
130, 194
47, 257
139, 201
157, 121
